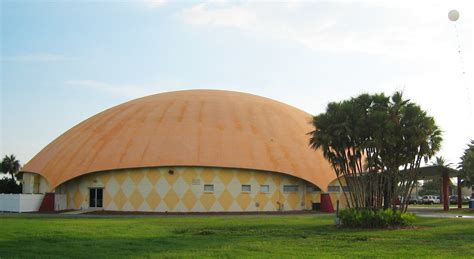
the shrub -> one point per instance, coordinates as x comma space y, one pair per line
367, 218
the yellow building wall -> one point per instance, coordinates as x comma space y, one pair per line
335, 196
155, 189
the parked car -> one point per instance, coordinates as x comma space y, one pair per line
415, 200
430, 199
454, 199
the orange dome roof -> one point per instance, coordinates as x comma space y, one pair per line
188, 128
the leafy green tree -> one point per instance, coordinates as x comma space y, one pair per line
466, 166
376, 143
10, 165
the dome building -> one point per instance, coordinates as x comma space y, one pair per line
186, 151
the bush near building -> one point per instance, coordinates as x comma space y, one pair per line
366, 218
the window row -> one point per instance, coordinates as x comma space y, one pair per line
245, 188
263, 188
337, 188
286, 188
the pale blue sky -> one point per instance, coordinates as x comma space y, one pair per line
64, 61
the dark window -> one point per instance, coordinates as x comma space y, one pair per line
290, 188
209, 188
246, 188
313, 189
92, 198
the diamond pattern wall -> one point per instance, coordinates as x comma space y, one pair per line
181, 189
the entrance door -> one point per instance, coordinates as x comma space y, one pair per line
95, 197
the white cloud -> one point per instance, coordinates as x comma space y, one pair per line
415, 35
399, 31
39, 57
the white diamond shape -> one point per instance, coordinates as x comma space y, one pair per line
144, 186
128, 187
162, 187
112, 186
218, 189
180, 187
234, 187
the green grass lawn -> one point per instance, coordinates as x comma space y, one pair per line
228, 236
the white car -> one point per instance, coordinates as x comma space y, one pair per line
430, 199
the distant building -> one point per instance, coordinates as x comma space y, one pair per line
186, 151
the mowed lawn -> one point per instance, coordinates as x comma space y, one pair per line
228, 236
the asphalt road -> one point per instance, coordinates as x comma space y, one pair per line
437, 213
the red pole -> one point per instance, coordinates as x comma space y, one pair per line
459, 193
326, 203
445, 192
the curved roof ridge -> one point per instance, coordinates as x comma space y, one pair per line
187, 128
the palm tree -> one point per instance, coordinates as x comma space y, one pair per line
441, 161
367, 139
466, 166
10, 165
